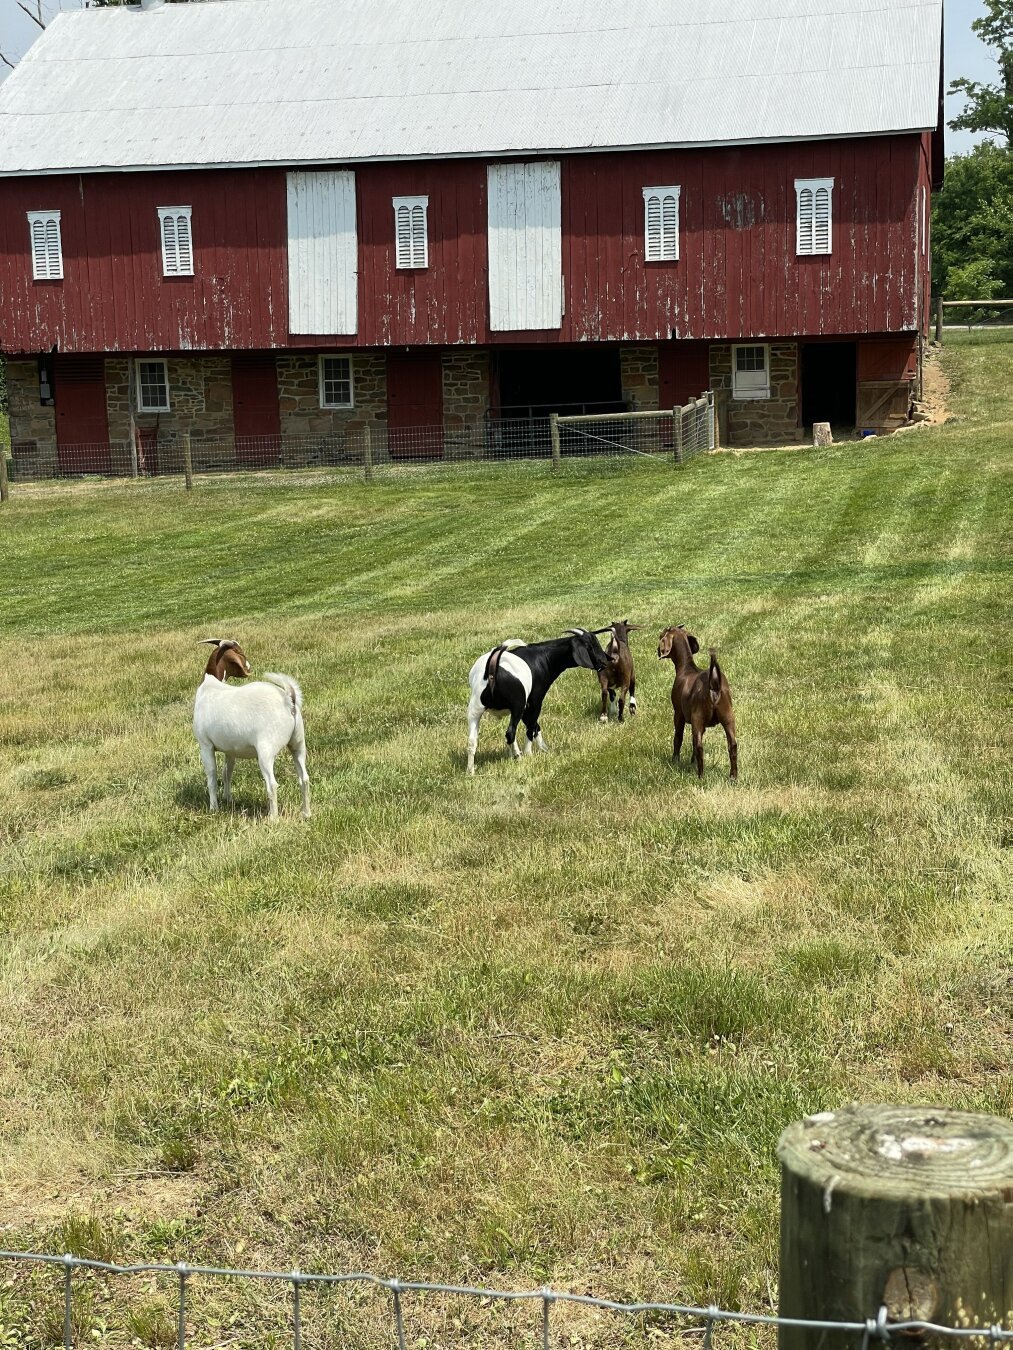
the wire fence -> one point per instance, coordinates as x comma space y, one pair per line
861, 1331
368, 451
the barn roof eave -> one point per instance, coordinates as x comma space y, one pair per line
527, 152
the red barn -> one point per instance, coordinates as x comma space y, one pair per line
274, 220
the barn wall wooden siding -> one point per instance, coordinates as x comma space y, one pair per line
737, 275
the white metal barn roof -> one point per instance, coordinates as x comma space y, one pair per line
320, 81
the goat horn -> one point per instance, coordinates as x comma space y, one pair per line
577, 632
596, 631
209, 642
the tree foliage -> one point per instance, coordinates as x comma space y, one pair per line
972, 225
989, 107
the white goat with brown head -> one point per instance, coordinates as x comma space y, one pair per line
254, 721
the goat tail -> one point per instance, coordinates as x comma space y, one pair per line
714, 676
288, 687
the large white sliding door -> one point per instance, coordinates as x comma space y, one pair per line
525, 247
322, 253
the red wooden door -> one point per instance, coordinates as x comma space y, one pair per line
683, 371
415, 404
82, 424
255, 414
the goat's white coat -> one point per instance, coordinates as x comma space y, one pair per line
521, 671
251, 721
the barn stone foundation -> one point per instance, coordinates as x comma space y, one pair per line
317, 435
762, 421
200, 401
638, 368
33, 426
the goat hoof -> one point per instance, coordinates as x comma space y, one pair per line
603, 718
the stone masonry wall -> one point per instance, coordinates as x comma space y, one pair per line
466, 384
33, 426
200, 401
318, 435
639, 371
762, 421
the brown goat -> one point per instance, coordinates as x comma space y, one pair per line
618, 676
700, 697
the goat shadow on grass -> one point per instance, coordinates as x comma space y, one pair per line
194, 799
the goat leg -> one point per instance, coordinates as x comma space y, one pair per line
698, 749
207, 756
633, 696
733, 747
680, 731
230, 764
266, 766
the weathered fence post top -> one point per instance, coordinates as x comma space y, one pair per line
907, 1208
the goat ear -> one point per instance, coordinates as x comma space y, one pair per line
694, 646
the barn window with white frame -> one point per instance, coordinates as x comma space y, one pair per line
336, 382
47, 245
177, 240
661, 224
411, 232
751, 371
153, 385
814, 227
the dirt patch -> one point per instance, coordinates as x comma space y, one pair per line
934, 401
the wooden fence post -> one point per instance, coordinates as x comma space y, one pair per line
187, 461
367, 453
905, 1208
721, 405
554, 432
5, 488
939, 318
677, 428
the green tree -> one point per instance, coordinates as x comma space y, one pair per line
972, 222
989, 107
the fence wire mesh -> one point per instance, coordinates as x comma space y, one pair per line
371, 450
681, 1319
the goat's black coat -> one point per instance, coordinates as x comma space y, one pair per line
546, 661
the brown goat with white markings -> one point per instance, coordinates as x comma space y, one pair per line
618, 676
700, 697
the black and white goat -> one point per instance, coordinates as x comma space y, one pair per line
513, 679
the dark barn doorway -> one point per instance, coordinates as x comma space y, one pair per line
828, 372
536, 381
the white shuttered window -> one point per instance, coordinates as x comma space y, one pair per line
177, 241
47, 246
661, 224
525, 247
814, 215
323, 252
411, 231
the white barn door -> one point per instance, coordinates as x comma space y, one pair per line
323, 273
525, 247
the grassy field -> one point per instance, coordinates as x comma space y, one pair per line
543, 1025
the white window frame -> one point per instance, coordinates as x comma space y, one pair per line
742, 391
336, 356
152, 361
41, 269
181, 267
805, 232
416, 258
657, 252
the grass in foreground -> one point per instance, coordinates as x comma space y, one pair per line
540, 1026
